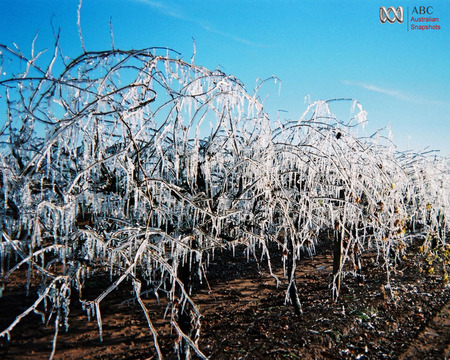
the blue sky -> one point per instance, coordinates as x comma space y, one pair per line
324, 49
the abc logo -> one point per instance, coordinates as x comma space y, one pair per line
385, 14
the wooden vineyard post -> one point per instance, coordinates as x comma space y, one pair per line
186, 315
338, 247
356, 257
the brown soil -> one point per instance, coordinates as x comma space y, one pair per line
245, 317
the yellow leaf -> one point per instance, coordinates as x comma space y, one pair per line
431, 271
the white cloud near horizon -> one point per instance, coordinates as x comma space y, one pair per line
401, 95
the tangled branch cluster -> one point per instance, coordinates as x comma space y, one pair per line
140, 164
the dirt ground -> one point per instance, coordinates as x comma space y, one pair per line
245, 317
